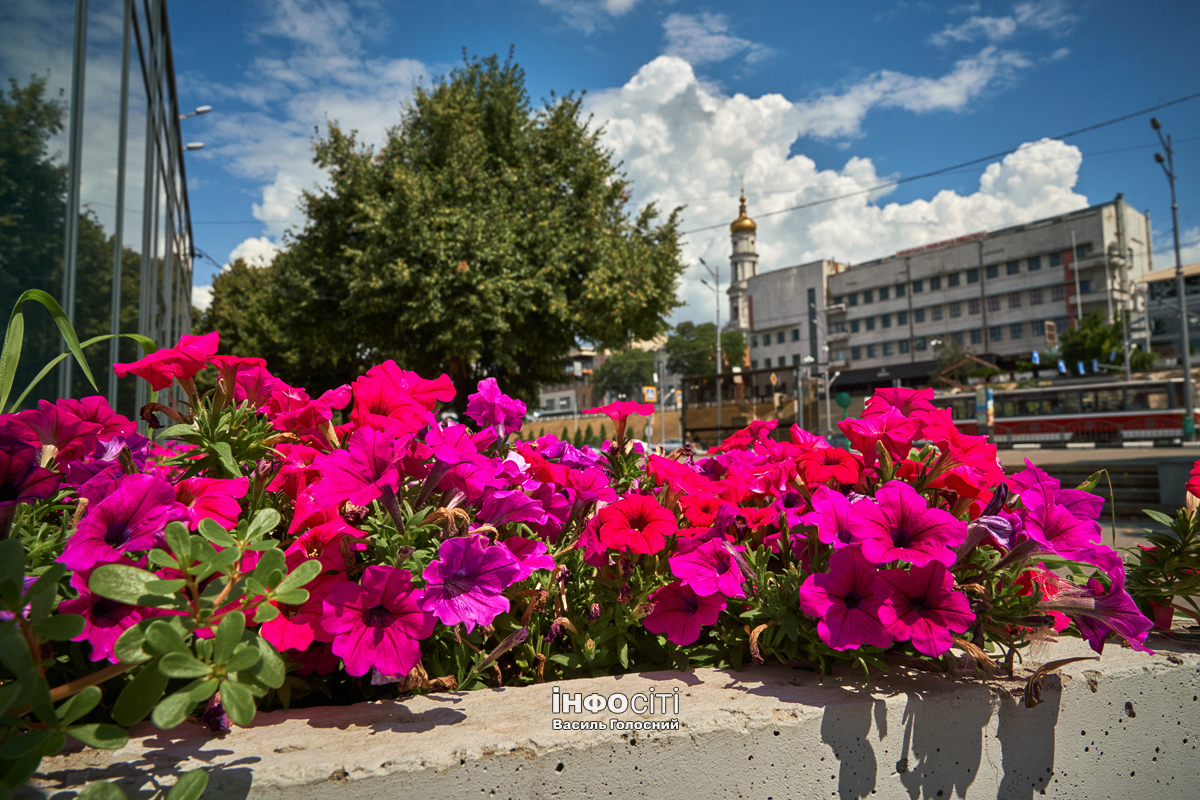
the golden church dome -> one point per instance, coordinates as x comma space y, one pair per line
743, 224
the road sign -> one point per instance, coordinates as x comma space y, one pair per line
1062, 366
1096, 364
1037, 358
774, 379
1079, 364
649, 394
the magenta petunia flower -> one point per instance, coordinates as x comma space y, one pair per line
96, 410
679, 613
491, 407
61, 436
212, 498
900, 526
464, 583
636, 522
1052, 524
361, 472
128, 520
296, 471
847, 601
710, 569
257, 385
531, 555
909, 402
298, 626
293, 411
619, 413
1098, 612
21, 479
104, 620
397, 400
229, 367
377, 623
502, 507
827, 464
892, 428
182, 361
104, 457
832, 515
452, 444
925, 608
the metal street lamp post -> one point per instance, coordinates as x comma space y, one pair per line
1189, 389
716, 290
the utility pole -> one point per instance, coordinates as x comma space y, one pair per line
716, 290
1189, 389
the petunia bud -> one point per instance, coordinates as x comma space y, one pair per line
354, 515
625, 594
555, 632
593, 613
214, 717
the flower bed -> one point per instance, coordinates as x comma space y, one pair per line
271, 550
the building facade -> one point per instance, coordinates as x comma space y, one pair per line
993, 292
1160, 290
93, 205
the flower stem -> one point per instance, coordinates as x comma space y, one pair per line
393, 508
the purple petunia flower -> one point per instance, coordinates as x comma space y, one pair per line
128, 520
710, 569
377, 623
831, 514
21, 479
925, 608
1097, 612
847, 600
104, 457
679, 613
104, 620
900, 526
491, 407
465, 582
503, 507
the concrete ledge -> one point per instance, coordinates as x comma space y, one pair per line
1125, 726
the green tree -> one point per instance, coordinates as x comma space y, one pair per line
625, 373
589, 436
947, 354
1096, 339
486, 237
692, 349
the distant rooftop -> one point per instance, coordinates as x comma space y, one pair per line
1169, 273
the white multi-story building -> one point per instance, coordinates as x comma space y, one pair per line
993, 291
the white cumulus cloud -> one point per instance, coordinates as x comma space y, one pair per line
589, 15
705, 38
684, 142
202, 297
256, 251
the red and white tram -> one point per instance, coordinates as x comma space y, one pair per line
1145, 411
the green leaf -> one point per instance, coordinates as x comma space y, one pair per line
228, 634
25, 743
140, 695
292, 597
190, 786
75, 707
300, 576
102, 790
100, 735
166, 587
182, 665
161, 558
126, 584
60, 627
180, 543
266, 612
263, 523
1091, 481
210, 529
12, 561
225, 456
175, 431
41, 597
164, 638
173, 709
130, 646
238, 702
271, 567
270, 669
1158, 516
244, 657
148, 346
13, 339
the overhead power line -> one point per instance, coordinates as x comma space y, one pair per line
953, 167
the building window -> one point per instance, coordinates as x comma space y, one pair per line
883, 293
853, 299
957, 336
973, 275
1057, 292
888, 349
779, 337
870, 323
935, 284
1062, 323
753, 341
936, 313
977, 336
1035, 297
856, 353
1085, 287
996, 333
1035, 263
1056, 259
919, 315
564, 403
1037, 328
1083, 250
886, 320
795, 334
902, 318
1016, 331
1013, 267
779, 362
952, 280
904, 345
993, 271
900, 289
973, 305
1014, 299
854, 326
868, 296
753, 364
918, 286
994, 303
921, 343
872, 351
837, 301
549, 404
796, 360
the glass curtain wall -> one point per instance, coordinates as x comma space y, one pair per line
93, 198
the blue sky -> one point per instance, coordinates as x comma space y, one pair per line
800, 100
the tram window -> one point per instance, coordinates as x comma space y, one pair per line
1089, 402
1007, 409
1148, 399
1068, 403
1110, 400
1035, 407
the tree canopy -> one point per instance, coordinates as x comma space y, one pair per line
486, 237
1096, 339
692, 349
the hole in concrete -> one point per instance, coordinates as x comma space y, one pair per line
561, 766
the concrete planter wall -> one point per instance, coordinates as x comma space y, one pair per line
1125, 726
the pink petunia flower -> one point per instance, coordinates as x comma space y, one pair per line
397, 400
531, 555
296, 471
925, 608
680, 613
1097, 612
377, 623
126, 521
182, 361
619, 413
636, 522
257, 385
832, 515
298, 626
359, 473
21, 479
212, 498
511, 505
710, 569
464, 583
909, 402
900, 526
96, 410
490, 407
291, 410
61, 436
827, 464
847, 601
104, 620
892, 428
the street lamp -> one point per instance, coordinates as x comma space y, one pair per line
1189, 391
716, 290
194, 146
199, 110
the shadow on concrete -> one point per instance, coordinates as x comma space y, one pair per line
143, 778
1027, 740
845, 727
